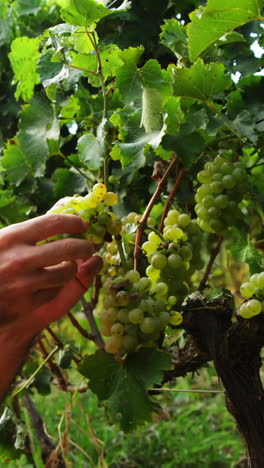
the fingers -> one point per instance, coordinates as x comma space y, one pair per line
67, 297
45, 296
53, 277
88, 269
42, 227
56, 252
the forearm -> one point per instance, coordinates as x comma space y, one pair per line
15, 342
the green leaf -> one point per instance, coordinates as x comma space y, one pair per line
123, 388
8, 436
83, 12
68, 182
27, 7
127, 77
23, 57
244, 250
153, 76
26, 154
216, 19
174, 37
90, 151
201, 81
174, 114
134, 151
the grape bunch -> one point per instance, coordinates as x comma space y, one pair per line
93, 208
133, 314
172, 259
253, 287
137, 306
224, 185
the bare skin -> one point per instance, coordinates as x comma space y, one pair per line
39, 283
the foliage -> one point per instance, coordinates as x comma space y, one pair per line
93, 96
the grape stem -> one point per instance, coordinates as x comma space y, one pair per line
170, 199
120, 250
59, 343
80, 329
213, 256
95, 335
52, 366
143, 220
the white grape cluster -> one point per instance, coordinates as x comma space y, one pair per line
224, 185
171, 256
253, 287
134, 314
93, 208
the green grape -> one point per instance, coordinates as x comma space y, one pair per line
149, 325
228, 181
245, 312
247, 290
152, 273
129, 343
153, 237
186, 252
208, 201
172, 300
164, 319
117, 329
114, 345
173, 233
161, 289
174, 261
175, 318
99, 191
122, 298
204, 177
221, 201
132, 275
184, 220
254, 280
122, 315
110, 198
260, 281
158, 261
149, 247
136, 316
254, 306
114, 228
216, 186
172, 217
143, 284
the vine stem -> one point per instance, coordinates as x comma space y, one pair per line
170, 198
95, 335
184, 391
143, 220
53, 367
83, 69
213, 256
31, 378
58, 342
80, 329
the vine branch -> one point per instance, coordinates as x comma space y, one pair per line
213, 256
143, 220
170, 198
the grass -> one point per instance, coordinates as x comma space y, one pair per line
193, 430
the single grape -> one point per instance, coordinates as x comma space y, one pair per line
184, 220
260, 282
175, 318
117, 329
136, 316
149, 325
114, 345
247, 289
149, 247
174, 261
132, 276
110, 198
254, 306
158, 261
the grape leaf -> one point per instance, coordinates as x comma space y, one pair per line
8, 436
127, 77
201, 81
122, 388
83, 12
68, 182
23, 57
174, 37
245, 251
90, 151
26, 154
27, 7
153, 76
216, 19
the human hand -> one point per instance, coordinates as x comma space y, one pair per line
37, 282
